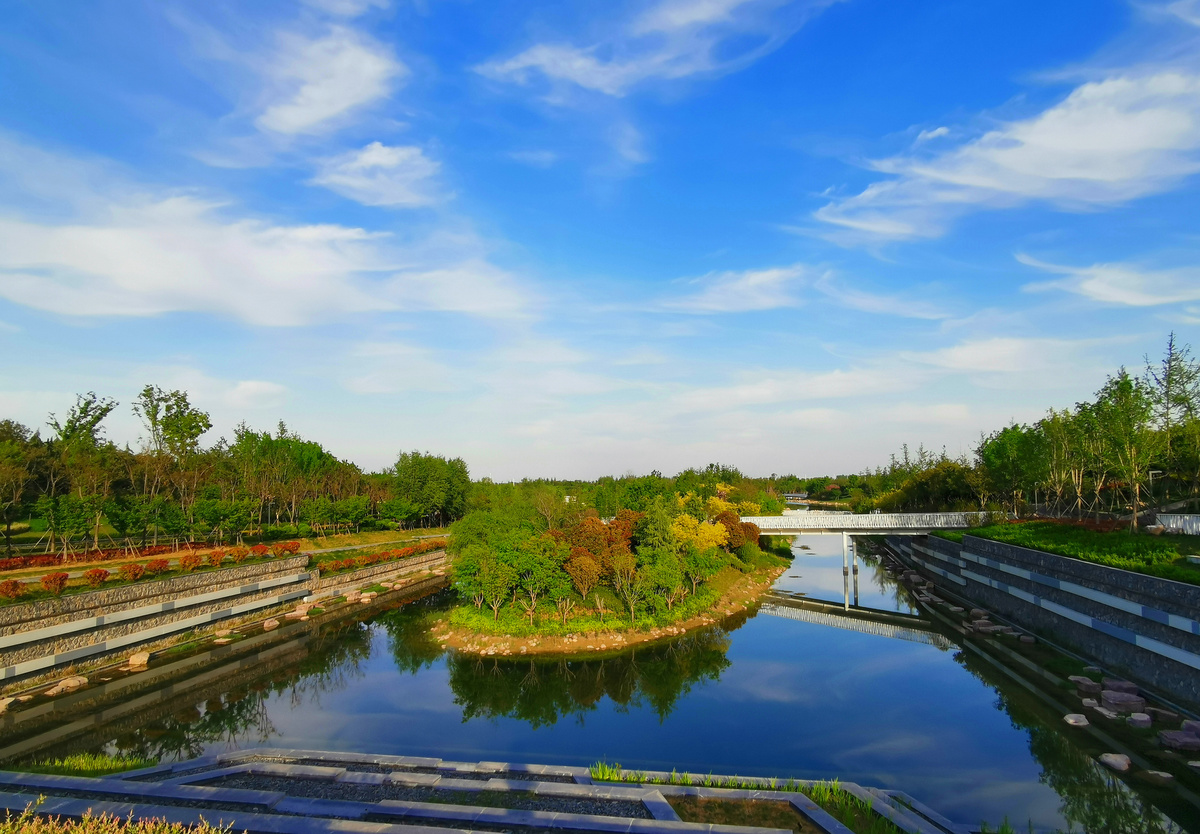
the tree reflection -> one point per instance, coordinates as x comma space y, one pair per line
1093, 798
543, 691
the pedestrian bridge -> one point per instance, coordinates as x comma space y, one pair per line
864, 524
854, 618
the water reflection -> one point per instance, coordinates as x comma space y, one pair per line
541, 692
762, 695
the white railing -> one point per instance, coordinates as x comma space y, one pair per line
872, 521
1180, 523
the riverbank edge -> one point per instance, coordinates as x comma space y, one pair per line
743, 594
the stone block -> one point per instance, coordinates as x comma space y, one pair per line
1139, 720
139, 660
271, 624
1190, 726
1117, 761
1117, 685
1162, 716
1085, 686
1076, 720
1090, 703
1118, 701
1179, 740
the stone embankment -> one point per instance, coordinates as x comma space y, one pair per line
41, 636
1146, 627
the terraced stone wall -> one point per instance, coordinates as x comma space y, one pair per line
1147, 627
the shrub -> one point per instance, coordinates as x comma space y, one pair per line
132, 572
216, 557
55, 583
158, 566
96, 577
11, 589
279, 549
189, 562
239, 553
291, 548
259, 551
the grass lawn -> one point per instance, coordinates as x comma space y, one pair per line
86, 764
1162, 556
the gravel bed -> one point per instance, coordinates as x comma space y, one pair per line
141, 800
367, 767
319, 789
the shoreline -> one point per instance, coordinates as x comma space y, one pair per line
740, 596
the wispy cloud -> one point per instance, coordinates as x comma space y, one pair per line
126, 251
672, 40
382, 175
740, 292
867, 302
314, 82
346, 8
1122, 284
1108, 142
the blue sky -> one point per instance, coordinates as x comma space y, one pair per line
580, 238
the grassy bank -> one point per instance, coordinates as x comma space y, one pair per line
1162, 556
86, 764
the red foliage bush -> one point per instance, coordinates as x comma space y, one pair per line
158, 566
239, 553
288, 548
11, 589
55, 583
47, 560
132, 572
216, 557
189, 562
96, 577
260, 550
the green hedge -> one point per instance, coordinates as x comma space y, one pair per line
1161, 556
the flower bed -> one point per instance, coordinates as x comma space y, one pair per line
366, 560
57, 583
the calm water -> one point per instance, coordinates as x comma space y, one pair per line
766, 695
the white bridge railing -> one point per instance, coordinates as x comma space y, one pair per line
874, 521
1180, 523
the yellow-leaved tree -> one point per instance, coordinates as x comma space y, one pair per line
701, 535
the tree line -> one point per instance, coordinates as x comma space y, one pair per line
1134, 445
88, 492
520, 556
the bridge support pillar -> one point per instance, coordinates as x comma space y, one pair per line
846, 570
854, 554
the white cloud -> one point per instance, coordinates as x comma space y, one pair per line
382, 175
346, 8
1127, 285
255, 393
1108, 142
315, 81
672, 40
935, 133
144, 255
739, 292
1002, 355
866, 302
395, 367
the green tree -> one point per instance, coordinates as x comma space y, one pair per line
1125, 412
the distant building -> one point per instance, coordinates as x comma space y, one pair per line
795, 496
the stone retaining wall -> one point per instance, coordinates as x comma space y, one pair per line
1143, 625
333, 585
38, 636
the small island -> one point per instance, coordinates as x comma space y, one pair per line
547, 584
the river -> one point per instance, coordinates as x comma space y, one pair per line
764, 695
